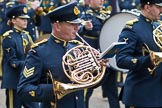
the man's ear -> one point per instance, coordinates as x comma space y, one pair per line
147, 7
57, 26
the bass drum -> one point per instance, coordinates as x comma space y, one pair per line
111, 30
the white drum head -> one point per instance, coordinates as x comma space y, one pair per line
111, 30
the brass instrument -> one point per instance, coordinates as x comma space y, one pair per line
63, 2
82, 66
157, 58
45, 6
157, 36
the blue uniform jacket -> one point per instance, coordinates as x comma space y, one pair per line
13, 46
35, 84
140, 88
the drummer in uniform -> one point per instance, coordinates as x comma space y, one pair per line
96, 15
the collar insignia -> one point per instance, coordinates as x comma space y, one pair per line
125, 39
8, 49
32, 93
134, 61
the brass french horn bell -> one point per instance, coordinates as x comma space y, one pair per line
157, 59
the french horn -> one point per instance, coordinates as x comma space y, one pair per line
157, 58
157, 36
82, 65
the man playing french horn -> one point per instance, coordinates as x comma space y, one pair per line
142, 56
57, 69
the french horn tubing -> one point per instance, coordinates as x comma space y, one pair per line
82, 66
157, 36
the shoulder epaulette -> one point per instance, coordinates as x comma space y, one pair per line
89, 11
76, 42
7, 33
10, 4
108, 9
131, 22
39, 43
105, 12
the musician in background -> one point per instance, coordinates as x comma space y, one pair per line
83, 5
33, 9
15, 45
143, 86
44, 28
111, 5
129, 4
96, 15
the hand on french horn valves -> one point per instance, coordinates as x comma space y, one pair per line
104, 62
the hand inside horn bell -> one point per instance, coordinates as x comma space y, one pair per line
155, 58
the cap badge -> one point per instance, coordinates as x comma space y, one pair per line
25, 10
76, 10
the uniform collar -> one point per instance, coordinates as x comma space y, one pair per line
59, 41
94, 10
146, 19
17, 30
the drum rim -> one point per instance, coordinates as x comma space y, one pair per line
125, 12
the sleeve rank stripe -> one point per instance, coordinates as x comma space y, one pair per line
28, 72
